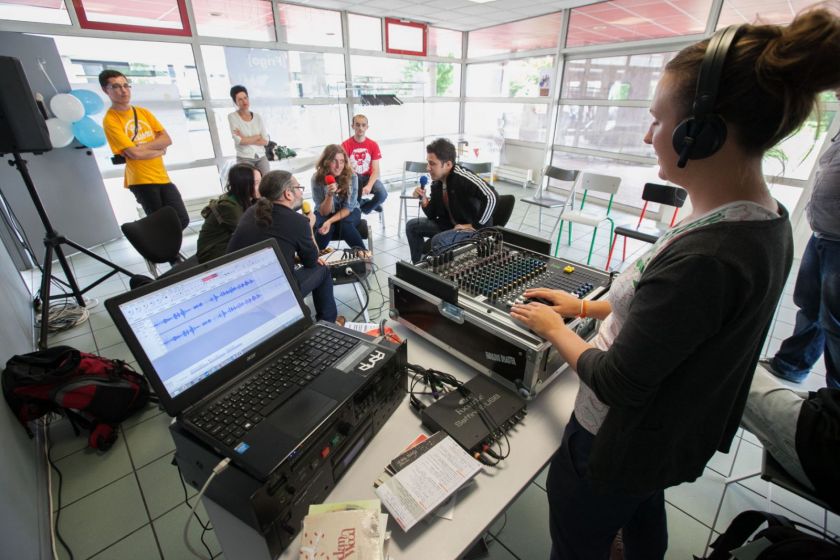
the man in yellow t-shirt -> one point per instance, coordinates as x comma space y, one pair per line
135, 134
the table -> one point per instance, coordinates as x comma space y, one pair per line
533, 442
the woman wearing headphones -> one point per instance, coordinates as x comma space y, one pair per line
335, 191
664, 381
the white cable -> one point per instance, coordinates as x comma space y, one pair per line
223, 464
49, 488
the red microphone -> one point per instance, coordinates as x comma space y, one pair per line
330, 180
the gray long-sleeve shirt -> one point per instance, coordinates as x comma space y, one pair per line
824, 207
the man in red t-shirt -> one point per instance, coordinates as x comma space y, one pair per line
363, 156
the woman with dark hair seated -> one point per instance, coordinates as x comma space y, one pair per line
335, 191
275, 216
222, 215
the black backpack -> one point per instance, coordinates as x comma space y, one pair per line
789, 540
93, 392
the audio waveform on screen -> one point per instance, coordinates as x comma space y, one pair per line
218, 315
212, 298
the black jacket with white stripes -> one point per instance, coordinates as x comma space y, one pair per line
471, 200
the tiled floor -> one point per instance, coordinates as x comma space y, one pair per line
128, 502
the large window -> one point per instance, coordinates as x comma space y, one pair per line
309, 26
604, 128
527, 77
405, 78
445, 42
39, 11
365, 32
163, 17
528, 35
630, 20
143, 62
615, 77
512, 121
270, 74
236, 19
736, 12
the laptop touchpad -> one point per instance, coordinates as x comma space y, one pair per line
302, 412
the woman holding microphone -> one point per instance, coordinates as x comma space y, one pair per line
335, 192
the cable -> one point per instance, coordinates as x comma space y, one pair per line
55, 532
367, 294
221, 467
205, 527
437, 382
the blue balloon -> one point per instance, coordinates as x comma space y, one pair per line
92, 102
89, 133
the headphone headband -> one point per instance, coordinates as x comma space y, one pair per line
704, 132
711, 70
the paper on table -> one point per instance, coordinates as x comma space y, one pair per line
423, 485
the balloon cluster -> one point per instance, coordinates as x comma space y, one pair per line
72, 119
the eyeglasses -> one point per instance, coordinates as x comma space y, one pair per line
115, 87
299, 187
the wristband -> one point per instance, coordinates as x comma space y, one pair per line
582, 314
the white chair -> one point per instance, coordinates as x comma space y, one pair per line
594, 182
417, 168
545, 199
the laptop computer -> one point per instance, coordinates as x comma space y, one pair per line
231, 351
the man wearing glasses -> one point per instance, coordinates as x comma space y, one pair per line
275, 216
138, 139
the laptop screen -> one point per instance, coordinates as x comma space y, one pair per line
192, 328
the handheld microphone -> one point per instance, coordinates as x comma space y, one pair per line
424, 180
329, 180
306, 207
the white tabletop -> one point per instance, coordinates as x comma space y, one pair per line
532, 444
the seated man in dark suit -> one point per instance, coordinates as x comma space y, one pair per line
275, 215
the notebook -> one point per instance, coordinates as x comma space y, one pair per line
230, 349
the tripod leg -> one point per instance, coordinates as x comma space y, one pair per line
68, 272
45, 298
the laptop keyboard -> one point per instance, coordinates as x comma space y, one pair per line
229, 418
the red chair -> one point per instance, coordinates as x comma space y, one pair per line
649, 233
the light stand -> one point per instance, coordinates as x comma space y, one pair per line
53, 242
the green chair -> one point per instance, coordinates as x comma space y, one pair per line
594, 182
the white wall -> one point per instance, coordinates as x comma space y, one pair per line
23, 505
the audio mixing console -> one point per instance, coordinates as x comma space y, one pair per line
460, 299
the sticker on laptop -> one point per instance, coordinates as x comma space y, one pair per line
365, 366
241, 448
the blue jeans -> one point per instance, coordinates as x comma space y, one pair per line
345, 229
583, 522
449, 237
817, 330
378, 191
318, 281
417, 230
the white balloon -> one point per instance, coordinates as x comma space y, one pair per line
61, 134
67, 107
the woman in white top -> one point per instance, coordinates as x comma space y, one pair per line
248, 130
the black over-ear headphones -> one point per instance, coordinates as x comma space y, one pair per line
704, 132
